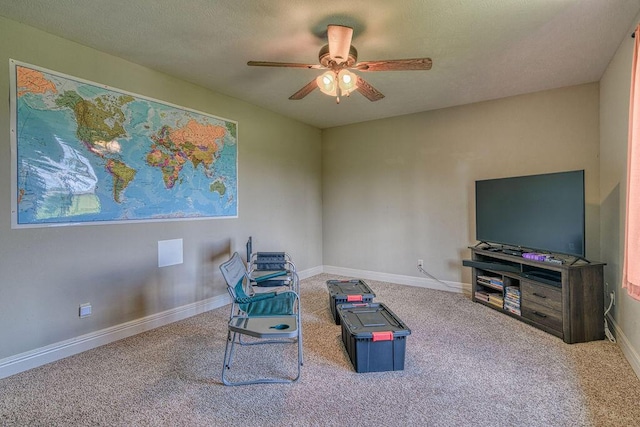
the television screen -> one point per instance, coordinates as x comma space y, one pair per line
537, 212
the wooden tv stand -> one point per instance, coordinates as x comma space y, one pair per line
562, 299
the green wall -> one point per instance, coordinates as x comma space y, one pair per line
614, 127
402, 189
46, 273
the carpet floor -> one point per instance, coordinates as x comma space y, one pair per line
465, 365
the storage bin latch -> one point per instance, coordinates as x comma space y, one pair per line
382, 336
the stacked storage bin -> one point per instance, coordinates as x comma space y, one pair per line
344, 291
374, 337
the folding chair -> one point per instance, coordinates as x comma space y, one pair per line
272, 269
270, 318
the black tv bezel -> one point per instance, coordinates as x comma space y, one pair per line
524, 247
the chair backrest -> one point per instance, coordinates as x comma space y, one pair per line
234, 272
266, 261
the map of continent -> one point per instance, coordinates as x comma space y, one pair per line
89, 153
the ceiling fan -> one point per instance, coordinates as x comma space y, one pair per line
338, 57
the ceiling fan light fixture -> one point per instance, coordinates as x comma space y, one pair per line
347, 81
327, 83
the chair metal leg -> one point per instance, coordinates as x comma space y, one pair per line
228, 350
300, 354
266, 380
233, 336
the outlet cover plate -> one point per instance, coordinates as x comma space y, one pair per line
85, 310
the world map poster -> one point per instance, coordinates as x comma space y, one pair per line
86, 153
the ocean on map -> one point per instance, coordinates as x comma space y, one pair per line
60, 179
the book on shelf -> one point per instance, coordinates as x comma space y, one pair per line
491, 282
513, 310
483, 296
497, 281
513, 290
512, 304
495, 303
512, 299
496, 298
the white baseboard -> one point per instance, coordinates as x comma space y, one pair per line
443, 285
305, 274
627, 349
41, 356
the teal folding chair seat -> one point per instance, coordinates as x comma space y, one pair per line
270, 318
263, 304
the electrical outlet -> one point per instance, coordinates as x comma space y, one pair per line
85, 310
420, 262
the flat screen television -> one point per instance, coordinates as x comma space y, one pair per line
539, 212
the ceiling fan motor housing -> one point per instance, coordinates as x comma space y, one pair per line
325, 58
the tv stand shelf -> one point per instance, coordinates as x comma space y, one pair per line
566, 300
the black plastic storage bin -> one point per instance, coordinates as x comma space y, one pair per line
374, 337
347, 291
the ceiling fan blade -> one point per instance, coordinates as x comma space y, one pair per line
284, 64
306, 90
339, 42
370, 92
395, 65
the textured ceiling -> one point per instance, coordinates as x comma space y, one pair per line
481, 49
